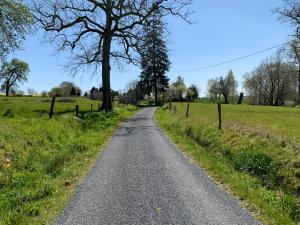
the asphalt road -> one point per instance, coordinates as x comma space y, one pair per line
141, 178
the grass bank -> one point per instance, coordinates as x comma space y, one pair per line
255, 155
42, 160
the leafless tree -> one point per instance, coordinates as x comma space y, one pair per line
290, 13
96, 30
292, 51
272, 82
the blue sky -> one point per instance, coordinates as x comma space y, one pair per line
222, 30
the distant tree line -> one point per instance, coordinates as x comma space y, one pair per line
65, 89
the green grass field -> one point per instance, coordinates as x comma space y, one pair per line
256, 155
42, 160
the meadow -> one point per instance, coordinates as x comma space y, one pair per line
255, 156
42, 160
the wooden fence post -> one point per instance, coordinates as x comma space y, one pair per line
170, 106
52, 107
174, 109
187, 110
77, 110
220, 116
91, 108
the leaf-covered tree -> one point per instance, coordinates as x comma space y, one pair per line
154, 58
179, 87
13, 73
96, 30
67, 88
228, 86
222, 86
192, 93
15, 23
213, 90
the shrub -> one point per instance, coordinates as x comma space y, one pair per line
8, 113
65, 100
258, 164
55, 163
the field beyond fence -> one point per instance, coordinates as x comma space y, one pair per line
256, 153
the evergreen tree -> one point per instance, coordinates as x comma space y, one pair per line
73, 92
78, 92
154, 58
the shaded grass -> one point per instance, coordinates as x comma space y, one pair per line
259, 170
42, 161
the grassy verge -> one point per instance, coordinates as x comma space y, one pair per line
260, 169
42, 161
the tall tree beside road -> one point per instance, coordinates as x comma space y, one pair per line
96, 30
154, 58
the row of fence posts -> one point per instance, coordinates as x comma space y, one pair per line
76, 108
187, 113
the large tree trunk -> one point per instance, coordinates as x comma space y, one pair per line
226, 98
107, 101
156, 95
7, 88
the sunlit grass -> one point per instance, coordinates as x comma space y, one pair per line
256, 153
42, 160
282, 121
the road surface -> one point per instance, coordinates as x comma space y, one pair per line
141, 178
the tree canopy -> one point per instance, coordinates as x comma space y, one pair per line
192, 93
15, 23
96, 30
290, 13
13, 73
222, 86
